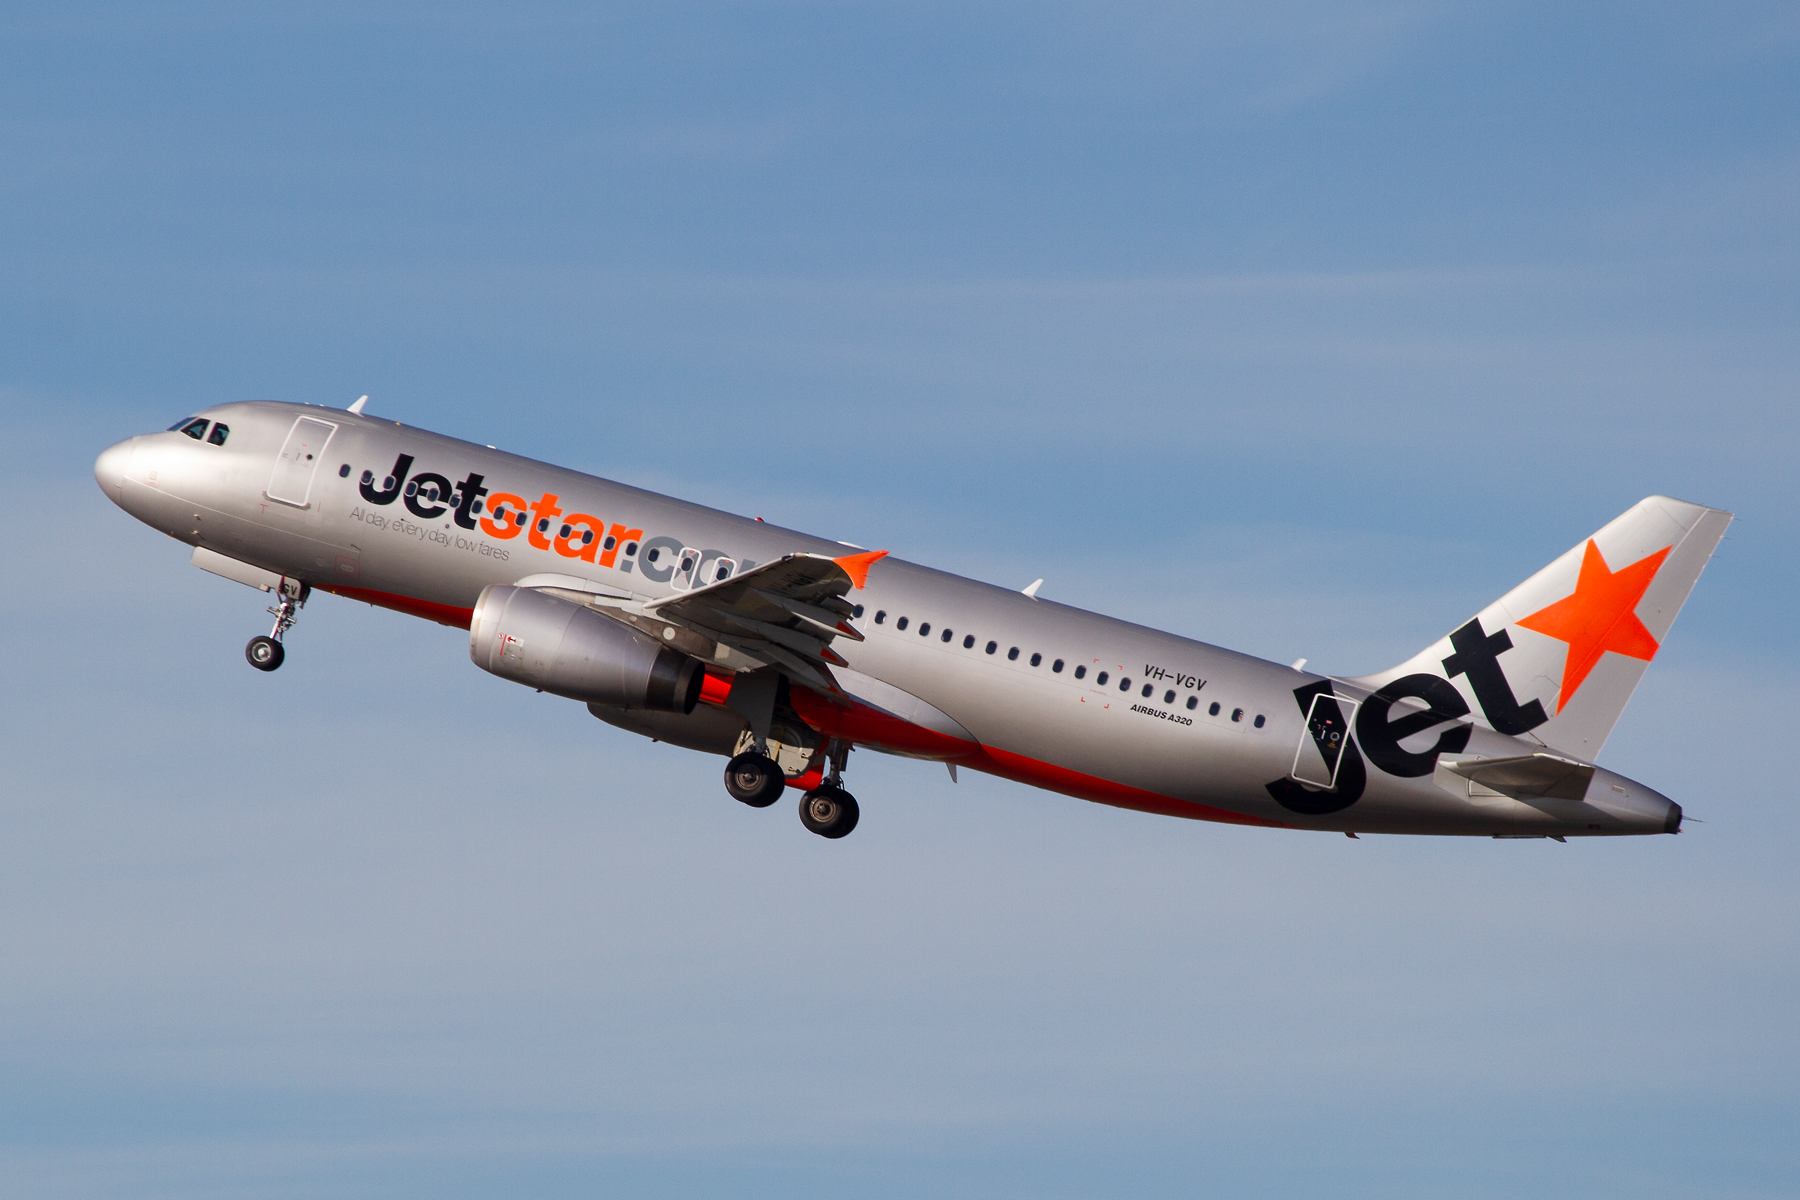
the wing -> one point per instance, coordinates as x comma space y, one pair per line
785, 612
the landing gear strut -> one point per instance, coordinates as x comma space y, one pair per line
828, 810
266, 653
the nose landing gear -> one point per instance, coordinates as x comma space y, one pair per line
266, 653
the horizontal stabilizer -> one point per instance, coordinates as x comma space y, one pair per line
1535, 775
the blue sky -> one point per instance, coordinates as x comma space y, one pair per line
1306, 329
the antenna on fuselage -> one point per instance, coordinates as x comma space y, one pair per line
1032, 590
357, 407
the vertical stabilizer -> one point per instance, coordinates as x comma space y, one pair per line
1557, 658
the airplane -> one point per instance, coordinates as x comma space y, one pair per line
780, 651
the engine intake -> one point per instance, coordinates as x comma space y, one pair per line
558, 646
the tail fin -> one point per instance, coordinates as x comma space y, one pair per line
1559, 656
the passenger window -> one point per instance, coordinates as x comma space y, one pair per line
1259, 720
1057, 666
631, 550
196, 428
412, 487
343, 471
724, 571
1036, 659
1193, 703
222, 431
947, 635
609, 543
475, 507
587, 535
969, 642
1124, 685
368, 477
519, 519
1237, 714
880, 615
992, 646
1214, 710
925, 629
1100, 679
561, 533
855, 612
543, 524
900, 624
1081, 672
1168, 697
1012, 655
655, 553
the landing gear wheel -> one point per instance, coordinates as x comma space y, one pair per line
264, 653
754, 779
829, 811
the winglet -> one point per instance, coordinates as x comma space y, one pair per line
857, 566
1032, 590
357, 407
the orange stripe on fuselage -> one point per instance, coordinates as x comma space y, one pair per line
1053, 778
860, 723
443, 614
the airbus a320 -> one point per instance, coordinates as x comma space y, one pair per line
780, 651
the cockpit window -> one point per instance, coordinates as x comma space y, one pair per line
220, 432
195, 428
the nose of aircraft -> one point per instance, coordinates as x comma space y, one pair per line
109, 468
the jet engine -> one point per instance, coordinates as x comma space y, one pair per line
558, 646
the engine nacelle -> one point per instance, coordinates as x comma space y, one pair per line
558, 646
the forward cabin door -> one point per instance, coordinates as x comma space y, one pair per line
300, 457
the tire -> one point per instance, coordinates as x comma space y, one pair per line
264, 653
754, 779
828, 811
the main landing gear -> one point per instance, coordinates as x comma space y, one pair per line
754, 779
265, 653
828, 810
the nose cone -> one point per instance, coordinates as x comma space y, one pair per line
109, 468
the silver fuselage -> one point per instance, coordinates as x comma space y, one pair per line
1133, 740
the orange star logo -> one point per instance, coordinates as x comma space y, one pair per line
1600, 616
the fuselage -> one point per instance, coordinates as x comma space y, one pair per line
951, 669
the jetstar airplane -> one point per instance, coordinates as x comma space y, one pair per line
781, 651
